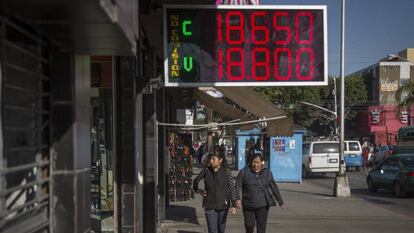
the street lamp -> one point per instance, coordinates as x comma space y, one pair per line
322, 108
334, 113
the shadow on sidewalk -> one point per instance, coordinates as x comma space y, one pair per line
364, 193
187, 231
318, 176
182, 214
317, 194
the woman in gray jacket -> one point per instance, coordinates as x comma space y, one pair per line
252, 182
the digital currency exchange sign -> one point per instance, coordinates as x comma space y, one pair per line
245, 45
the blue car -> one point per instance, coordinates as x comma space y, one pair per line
353, 155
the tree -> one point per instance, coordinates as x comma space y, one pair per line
405, 96
356, 94
289, 98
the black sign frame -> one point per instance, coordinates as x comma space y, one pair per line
178, 64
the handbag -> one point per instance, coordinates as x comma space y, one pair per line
270, 199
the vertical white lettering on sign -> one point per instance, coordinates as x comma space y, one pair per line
404, 117
375, 116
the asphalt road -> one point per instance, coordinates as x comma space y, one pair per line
383, 198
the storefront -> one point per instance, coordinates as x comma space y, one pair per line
58, 166
102, 154
384, 122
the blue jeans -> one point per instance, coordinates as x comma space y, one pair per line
216, 220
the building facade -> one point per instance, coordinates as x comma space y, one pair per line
78, 138
380, 119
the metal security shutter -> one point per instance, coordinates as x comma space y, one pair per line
24, 155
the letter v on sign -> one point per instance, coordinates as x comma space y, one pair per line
188, 63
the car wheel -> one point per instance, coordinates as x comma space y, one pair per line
371, 186
399, 190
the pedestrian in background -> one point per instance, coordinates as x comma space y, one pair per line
204, 155
253, 181
219, 192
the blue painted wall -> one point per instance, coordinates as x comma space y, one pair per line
286, 158
242, 137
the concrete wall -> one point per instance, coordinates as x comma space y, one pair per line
388, 75
407, 53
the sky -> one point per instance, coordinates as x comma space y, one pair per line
373, 29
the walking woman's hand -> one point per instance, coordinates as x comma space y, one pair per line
233, 210
238, 204
202, 192
282, 206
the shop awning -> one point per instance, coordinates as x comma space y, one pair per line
258, 105
219, 106
224, 109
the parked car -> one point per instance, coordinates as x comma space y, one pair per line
382, 153
396, 173
320, 157
406, 140
353, 155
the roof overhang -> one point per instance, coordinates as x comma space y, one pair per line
258, 105
219, 106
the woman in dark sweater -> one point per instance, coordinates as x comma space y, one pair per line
219, 192
252, 181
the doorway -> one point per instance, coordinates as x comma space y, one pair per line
102, 167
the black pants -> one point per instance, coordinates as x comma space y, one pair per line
255, 216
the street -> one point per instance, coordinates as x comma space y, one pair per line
383, 198
311, 208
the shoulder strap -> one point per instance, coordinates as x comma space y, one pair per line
260, 184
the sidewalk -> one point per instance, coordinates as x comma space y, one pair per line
309, 209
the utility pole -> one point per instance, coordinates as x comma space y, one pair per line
341, 187
336, 108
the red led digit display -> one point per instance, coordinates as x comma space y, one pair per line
307, 65
245, 45
219, 28
280, 29
262, 30
234, 31
264, 65
235, 63
301, 28
283, 64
